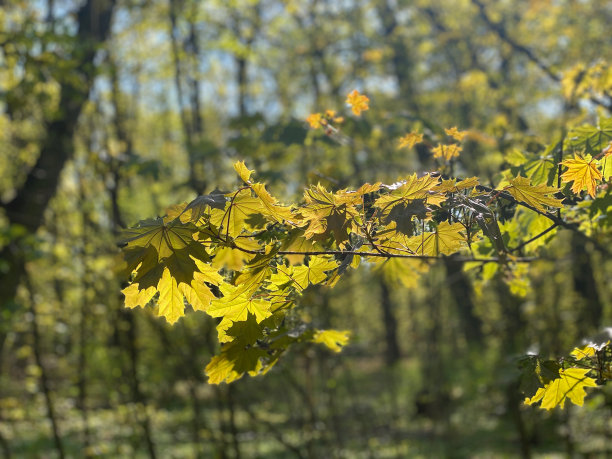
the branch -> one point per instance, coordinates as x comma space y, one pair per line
502, 33
555, 219
392, 255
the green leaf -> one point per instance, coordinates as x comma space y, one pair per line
591, 139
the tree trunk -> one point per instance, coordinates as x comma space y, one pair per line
28, 206
392, 353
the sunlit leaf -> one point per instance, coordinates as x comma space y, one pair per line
333, 339
584, 172
358, 102
570, 385
537, 196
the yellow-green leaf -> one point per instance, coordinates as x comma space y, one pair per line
537, 196
446, 239
570, 385
236, 306
333, 339
243, 171
170, 303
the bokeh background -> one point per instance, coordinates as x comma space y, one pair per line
112, 110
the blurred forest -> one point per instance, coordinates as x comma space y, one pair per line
113, 110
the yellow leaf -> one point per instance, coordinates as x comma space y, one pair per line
333, 339
446, 239
570, 384
302, 276
456, 134
221, 369
243, 171
586, 351
447, 152
236, 306
275, 211
134, 296
358, 102
450, 186
413, 188
170, 302
232, 220
314, 120
409, 140
537, 196
583, 172
327, 213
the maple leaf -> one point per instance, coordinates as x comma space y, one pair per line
537, 196
570, 385
165, 238
452, 186
170, 303
412, 188
237, 213
166, 259
333, 339
234, 361
236, 306
409, 140
446, 239
447, 152
591, 138
327, 213
586, 351
243, 171
302, 276
583, 172
456, 134
358, 102
197, 208
273, 209
314, 120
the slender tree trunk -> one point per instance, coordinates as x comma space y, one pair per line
513, 339
83, 322
392, 354
462, 292
137, 395
44, 378
590, 316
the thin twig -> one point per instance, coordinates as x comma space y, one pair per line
537, 236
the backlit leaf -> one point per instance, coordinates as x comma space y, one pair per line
570, 385
243, 171
358, 102
409, 140
236, 306
584, 172
333, 339
537, 196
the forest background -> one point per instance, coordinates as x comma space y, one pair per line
113, 110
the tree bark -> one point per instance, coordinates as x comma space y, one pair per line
27, 207
392, 354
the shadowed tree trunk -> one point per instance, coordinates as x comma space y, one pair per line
392, 354
462, 292
27, 207
589, 317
